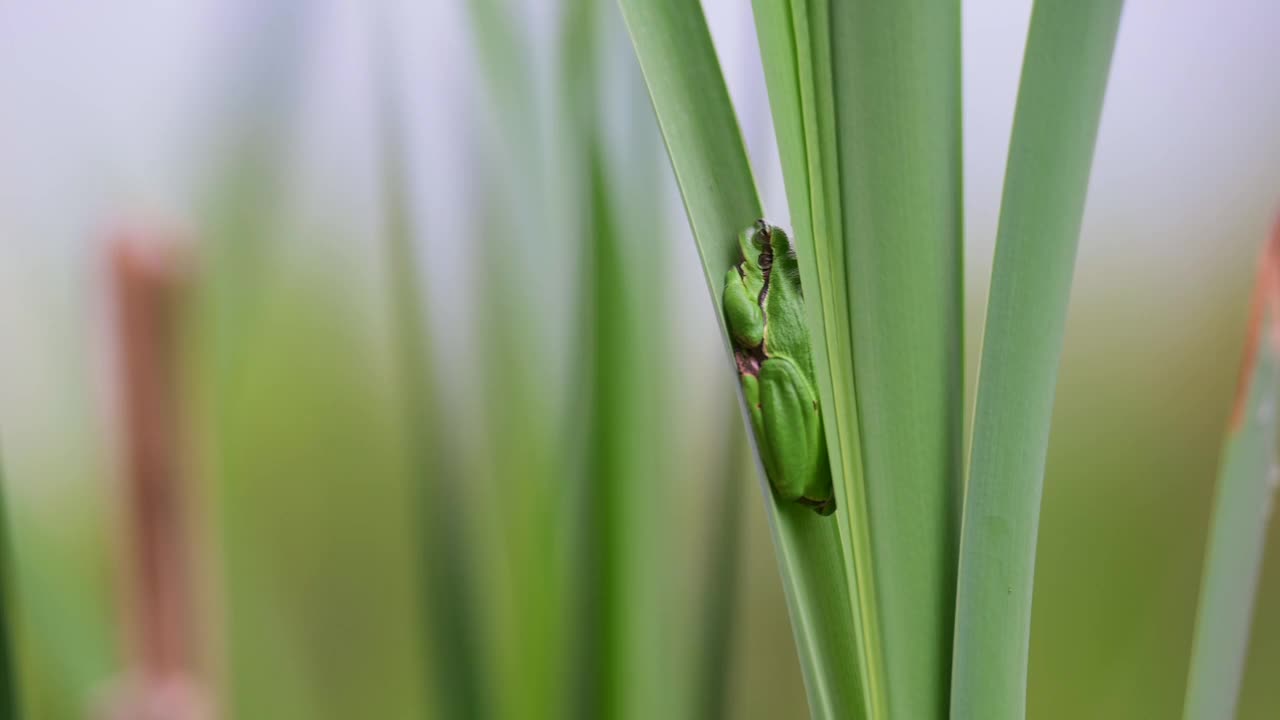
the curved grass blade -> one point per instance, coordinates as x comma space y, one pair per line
9, 705
599, 686
1064, 79
621, 667
523, 578
705, 146
1242, 509
458, 682
719, 593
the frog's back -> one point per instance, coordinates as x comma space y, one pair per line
788, 335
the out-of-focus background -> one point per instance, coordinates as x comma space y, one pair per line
526, 492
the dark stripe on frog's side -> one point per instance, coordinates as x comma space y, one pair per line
765, 263
749, 360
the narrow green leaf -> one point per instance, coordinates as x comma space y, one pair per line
896, 83
504, 56
622, 668
705, 146
618, 669
599, 683
524, 577
521, 476
458, 682
719, 593
1064, 78
9, 705
1242, 509
245, 185
698, 125
238, 226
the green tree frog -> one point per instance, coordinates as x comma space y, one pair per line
764, 312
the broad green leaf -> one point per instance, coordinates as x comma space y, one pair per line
865, 101
896, 82
897, 104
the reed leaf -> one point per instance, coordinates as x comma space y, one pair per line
1242, 508
1064, 78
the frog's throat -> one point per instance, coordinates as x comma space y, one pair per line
822, 507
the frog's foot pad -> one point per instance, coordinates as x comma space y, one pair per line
748, 362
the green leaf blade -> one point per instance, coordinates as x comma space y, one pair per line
457, 680
1242, 509
896, 87
698, 125
10, 707
1064, 78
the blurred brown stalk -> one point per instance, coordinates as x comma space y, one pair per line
150, 279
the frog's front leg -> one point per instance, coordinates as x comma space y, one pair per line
791, 427
742, 313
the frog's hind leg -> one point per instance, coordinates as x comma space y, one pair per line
793, 426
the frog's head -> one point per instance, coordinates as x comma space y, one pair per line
777, 254
761, 244
771, 239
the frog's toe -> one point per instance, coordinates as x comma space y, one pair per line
822, 507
